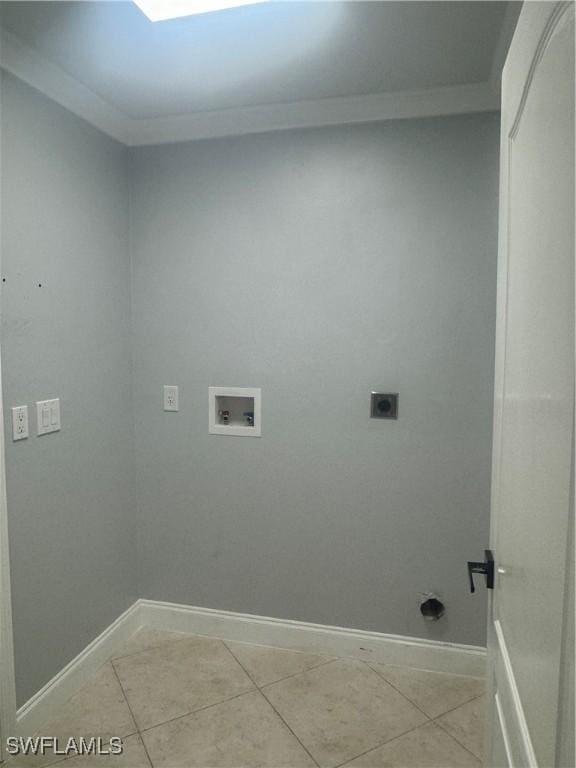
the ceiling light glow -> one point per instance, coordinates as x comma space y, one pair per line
160, 10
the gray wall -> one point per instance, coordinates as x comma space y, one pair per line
316, 264
319, 265
70, 494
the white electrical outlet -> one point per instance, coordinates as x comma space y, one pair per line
20, 422
48, 416
170, 397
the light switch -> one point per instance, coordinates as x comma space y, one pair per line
20, 422
170, 397
48, 416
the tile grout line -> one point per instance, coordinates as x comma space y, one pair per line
429, 720
140, 730
382, 744
131, 713
456, 739
426, 715
304, 747
261, 692
296, 674
195, 711
448, 711
388, 741
188, 635
60, 760
433, 719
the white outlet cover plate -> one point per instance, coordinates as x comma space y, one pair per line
170, 397
20, 422
48, 416
235, 430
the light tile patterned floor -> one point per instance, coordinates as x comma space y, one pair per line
180, 701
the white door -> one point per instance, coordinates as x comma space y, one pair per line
534, 392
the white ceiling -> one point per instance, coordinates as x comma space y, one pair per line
258, 56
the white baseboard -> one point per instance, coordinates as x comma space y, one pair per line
315, 638
42, 707
261, 630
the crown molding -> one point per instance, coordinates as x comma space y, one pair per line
310, 114
28, 65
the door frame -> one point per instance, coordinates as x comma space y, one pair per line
537, 23
7, 680
7, 677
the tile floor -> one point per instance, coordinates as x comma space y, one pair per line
180, 701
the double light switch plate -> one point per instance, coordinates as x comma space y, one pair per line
48, 416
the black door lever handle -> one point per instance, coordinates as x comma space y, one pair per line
486, 568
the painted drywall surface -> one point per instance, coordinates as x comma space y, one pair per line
319, 265
70, 494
